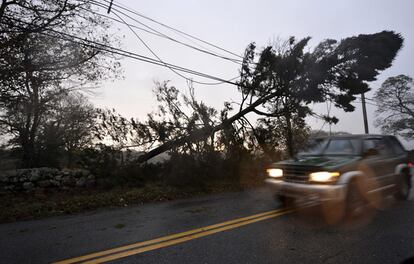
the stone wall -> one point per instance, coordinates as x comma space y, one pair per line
28, 180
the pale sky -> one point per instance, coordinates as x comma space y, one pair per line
233, 25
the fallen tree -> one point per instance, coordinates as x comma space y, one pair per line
285, 79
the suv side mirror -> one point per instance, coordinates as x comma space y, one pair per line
371, 152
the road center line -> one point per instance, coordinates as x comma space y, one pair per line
136, 248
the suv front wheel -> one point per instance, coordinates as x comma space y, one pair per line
355, 202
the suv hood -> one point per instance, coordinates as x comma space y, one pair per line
318, 161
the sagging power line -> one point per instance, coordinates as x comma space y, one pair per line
160, 60
155, 32
130, 10
121, 52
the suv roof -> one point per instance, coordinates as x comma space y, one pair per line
355, 136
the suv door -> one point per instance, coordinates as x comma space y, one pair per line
398, 156
378, 156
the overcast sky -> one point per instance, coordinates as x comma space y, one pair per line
233, 25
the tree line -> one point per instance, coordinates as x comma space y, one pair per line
46, 118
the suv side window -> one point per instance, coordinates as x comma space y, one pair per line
376, 147
396, 146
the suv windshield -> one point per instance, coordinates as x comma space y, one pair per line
330, 146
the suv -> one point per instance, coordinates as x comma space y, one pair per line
344, 172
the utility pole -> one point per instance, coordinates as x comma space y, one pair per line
364, 113
110, 6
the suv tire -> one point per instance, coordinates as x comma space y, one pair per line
355, 202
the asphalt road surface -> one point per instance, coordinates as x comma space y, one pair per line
239, 227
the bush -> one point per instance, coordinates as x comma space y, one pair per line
181, 170
185, 170
103, 162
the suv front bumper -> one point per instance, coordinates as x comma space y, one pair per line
314, 192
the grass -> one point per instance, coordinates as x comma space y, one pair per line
119, 226
14, 207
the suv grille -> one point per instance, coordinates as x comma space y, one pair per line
296, 174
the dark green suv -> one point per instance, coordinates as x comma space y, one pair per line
344, 171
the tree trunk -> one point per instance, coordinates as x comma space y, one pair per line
202, 133
28, 153
289, 136
70, 158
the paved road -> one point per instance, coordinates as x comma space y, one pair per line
272, 237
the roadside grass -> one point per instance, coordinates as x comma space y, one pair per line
14, 207
119, 226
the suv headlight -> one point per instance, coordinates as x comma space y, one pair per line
323, 176
275, 173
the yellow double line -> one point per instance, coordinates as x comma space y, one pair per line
140, 247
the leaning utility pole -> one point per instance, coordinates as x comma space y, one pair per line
364, 113
110, 6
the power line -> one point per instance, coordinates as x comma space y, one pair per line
370, 99
360, 101
134, 56
370, 103
172, 28
113, 50
157, 33
366, 98
187, 38
320, 130
119, 21
159, 59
